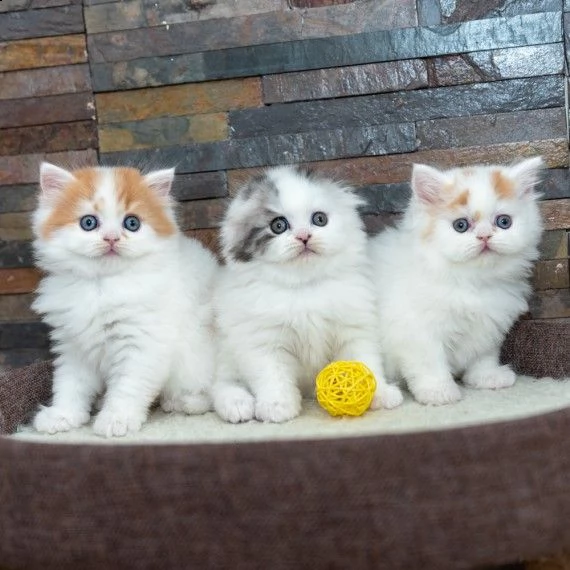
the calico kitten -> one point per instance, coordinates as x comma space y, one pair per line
295, 295
454, 276
127, 296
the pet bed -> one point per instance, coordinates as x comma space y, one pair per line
455, 489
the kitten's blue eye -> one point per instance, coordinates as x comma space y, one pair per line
461, 225
503, 221
131, 223
88, 223
319, 219
279, 225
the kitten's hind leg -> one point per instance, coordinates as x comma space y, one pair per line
486, 373
188, 387
75, 386
424, 365
362, 350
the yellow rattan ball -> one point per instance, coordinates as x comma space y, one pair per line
345, 388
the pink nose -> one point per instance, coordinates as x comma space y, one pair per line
111, 239
484, 238
303, 236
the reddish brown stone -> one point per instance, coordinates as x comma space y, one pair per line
17, 308
556, 214
49, 138
208, 237
201, 214
42, 52
551, 274
24, 280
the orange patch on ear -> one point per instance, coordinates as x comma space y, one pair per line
139, 199
64, 212
504, 188
460, 200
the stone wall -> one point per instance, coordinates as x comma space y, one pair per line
360, 89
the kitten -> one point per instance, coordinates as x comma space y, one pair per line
127, 296
454, 276
295, 295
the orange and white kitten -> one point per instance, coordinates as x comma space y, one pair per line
127, 295
453, 277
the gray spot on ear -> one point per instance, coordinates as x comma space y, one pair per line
254, 244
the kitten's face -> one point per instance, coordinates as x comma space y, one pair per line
289, 218
102, 214
481, 213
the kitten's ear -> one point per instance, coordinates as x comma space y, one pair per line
427, 183
53, 179
527, 174
160, 181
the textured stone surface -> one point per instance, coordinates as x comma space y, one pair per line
385, 198
556, 214
15, 253
191, 99
21, 280
201, 214
251, 30
492, 65
14, 5
461, 10
16, 308
316, 3
57, 21
15, 226
18, 198
45, 110
551, 304
22, 357
551, 274
370, 47
201, 185
42, 52
44, 82
555, 184
277, 149
24, 169
165, 131
482, 98
113, 16
23, 335
492, 129
396, 168
554, 244
344, 81
48, 138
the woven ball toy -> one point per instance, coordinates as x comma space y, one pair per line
345, 388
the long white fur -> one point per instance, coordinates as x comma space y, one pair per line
137, 325
282, 317
444, 308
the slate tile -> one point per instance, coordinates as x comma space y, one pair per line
15, 5
556, 214
551, 304
444, 102
492, 129
385, 198
429, 12
23, 357
370, 47
345, 81
201, 214
179, 100
49, 138
555, 184
551, 274
44, 82
45, 110
15, 254
17, 308
276, 149
42, 52
57, 21
23, 335
18, 198
15, 226
200, 185
554, 244
166, 131
461, 10
24, 169
527, 61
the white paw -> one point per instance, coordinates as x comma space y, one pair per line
436, 392
53, 420
191, 403
236, 406
491, 379
387, 396
111, 423
278, 411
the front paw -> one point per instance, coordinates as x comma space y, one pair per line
235, 406
55, 419
111, 423
436, 392
278, 409
490, 378
387, 396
